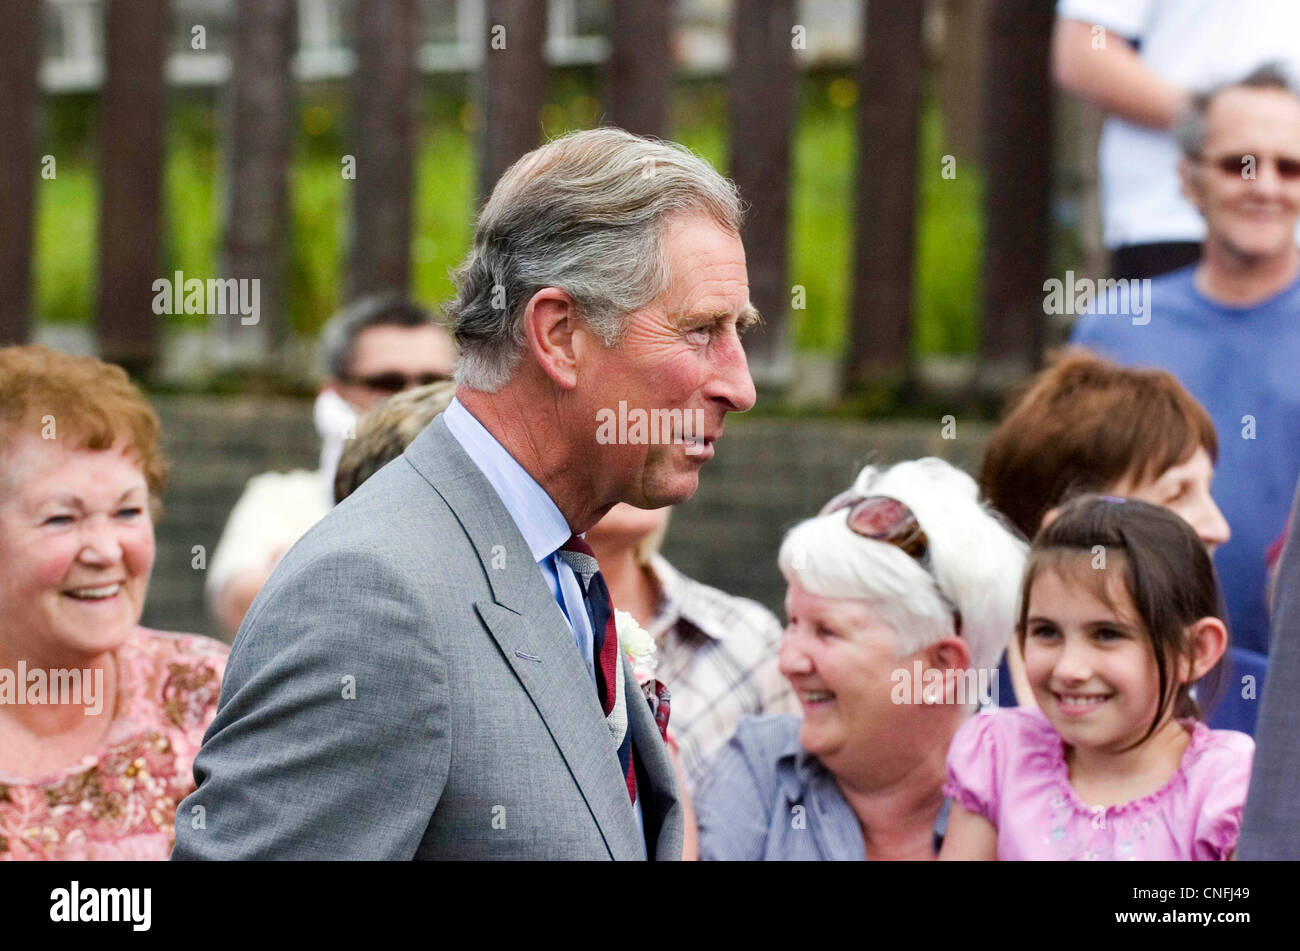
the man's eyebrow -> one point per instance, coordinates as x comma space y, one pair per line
748, 317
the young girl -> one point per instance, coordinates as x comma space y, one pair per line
1119, 617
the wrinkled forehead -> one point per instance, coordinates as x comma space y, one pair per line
1250, 120
35, 470
388, 348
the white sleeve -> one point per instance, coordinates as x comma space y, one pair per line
1128, 18
274, 511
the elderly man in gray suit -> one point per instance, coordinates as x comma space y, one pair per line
434, 671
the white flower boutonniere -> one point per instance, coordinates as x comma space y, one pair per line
638, 649
637, 644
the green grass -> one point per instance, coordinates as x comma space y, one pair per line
949, 221
949, 248
65, 242
446, 173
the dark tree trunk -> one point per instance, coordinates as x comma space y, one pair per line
130, 222
19, 100
640, 65
889, 78
384, 123
260, 111
514, 85
763, 87
1018, 155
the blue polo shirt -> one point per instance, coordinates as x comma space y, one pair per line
1243, 365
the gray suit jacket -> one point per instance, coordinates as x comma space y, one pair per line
405, 686
1271, 822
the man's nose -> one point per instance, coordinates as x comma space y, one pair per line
1268, 183
732, 383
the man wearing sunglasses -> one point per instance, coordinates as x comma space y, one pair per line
376, 346
1228, 327
1140, 61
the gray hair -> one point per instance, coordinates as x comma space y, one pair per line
584, 213
339, 336
1190, 128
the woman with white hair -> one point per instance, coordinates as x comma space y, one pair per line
902, 595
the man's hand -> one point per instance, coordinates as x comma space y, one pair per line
1111, 75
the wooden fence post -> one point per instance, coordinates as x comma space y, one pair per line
889, 78
763, 89
640, 65
130, 218
255, 232
514, 86
19, 100
384, 125
1018, 157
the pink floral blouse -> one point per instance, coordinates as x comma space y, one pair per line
120, 802
1009, 767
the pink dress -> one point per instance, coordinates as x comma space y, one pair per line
1009, 767
120, 802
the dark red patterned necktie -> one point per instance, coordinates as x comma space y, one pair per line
578, 555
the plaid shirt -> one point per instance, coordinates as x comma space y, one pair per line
717, 654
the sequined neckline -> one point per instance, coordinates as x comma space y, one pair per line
1060, 770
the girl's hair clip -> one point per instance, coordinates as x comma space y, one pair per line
1113, 498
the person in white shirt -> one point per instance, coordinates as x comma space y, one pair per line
1140, 61
377, 346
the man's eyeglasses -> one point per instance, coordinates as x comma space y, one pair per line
1288, 169
396, 382
888, 520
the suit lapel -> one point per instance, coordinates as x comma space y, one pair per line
660, 800
565, 697
533, 635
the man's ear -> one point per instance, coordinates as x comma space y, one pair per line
1209, 640
1187, 176
550, 327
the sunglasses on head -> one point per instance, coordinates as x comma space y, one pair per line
1288, 169
396, 382
888, 520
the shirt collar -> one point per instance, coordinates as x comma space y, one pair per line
538, 518
808, 770
682, 598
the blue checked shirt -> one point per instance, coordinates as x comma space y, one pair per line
766, 799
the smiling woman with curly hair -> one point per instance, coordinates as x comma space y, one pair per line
99, 717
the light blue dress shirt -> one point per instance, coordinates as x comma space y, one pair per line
540, 521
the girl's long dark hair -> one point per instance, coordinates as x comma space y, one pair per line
1167, 573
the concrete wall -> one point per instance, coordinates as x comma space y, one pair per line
768, 474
